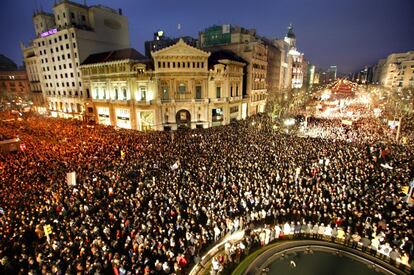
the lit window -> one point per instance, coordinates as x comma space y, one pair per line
182, 88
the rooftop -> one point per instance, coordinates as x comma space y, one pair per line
123, 54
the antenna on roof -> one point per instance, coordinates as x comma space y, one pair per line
36, 7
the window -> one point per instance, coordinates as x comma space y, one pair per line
231, 90
142, 93
67, 46
68, 55
83, 18
66, 36
116, 93
218, 92
74, 45
182, 88
164, 92
60, 38
124, 92
72, 15
64, 15
61, 47
198, 92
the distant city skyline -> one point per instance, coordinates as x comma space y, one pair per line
349, 34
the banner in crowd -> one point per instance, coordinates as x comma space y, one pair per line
347, 122
71, 178
393, 124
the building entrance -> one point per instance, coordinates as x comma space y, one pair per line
183, 119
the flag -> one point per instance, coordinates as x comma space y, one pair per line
175, 166
386, 166
122, 154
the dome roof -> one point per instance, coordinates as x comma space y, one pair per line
290, 33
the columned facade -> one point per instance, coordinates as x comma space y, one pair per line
186, 88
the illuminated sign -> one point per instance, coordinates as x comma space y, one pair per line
49, 32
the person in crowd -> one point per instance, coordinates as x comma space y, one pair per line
143, 203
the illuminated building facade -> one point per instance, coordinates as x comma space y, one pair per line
246, 44
397, 70
181, 87
14, 84
63, 40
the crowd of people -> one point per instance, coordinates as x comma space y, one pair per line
151, 203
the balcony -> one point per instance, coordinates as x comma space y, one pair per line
143, 102
235, 98
218, 100
100, 100
166, 101
183, 99
121, 101
200, 100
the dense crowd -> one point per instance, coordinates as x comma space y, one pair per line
150, 203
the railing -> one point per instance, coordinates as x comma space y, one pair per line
221, 99
121, 101
235, 98
345, 243
200, 100
101, 100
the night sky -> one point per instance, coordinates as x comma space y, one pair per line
347, 33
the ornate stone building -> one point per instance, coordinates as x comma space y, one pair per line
181, 87
246, 44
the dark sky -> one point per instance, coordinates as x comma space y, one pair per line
347, 33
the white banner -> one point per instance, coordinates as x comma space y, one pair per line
71, 178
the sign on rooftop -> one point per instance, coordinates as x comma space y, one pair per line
49, 32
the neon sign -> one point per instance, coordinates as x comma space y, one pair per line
49, 32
